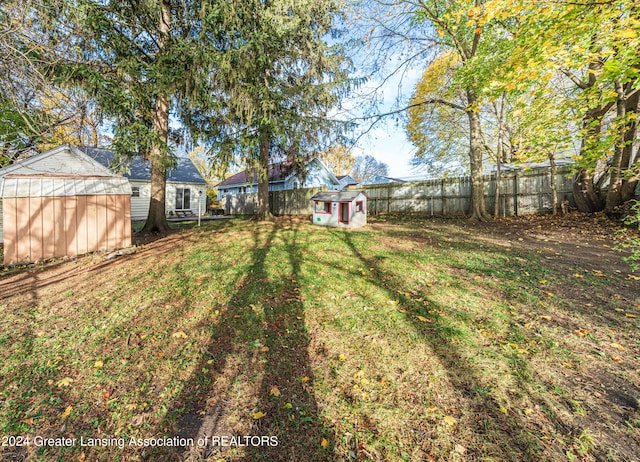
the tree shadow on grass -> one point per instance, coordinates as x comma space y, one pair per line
254, 379
497, 434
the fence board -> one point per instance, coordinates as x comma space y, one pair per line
521, 193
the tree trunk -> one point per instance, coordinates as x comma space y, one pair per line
614, 196
552, 184
262, 210
585, 193
478, 207
627, 190
157, 219
496, 202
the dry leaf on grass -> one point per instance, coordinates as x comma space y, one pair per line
67, 381
66, 413
449, 420
274, 391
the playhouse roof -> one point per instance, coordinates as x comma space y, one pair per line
338, 196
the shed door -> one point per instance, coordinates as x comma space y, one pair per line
343, 212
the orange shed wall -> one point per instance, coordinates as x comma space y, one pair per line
49, 227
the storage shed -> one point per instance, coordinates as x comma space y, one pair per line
62, 203
342, 209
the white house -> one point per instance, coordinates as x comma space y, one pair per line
341, 209
186, 189
281, 177
346, 181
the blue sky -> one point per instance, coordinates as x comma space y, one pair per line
387, 140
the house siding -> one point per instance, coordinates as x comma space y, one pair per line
140, 205
1, 232
170, 202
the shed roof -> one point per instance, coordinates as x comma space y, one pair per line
62, 185
140, 169
338, 196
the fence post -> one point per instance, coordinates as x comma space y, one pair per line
515, 193
444, 208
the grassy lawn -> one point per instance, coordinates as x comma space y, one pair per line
408, 340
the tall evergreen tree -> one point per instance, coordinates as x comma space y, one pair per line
276, 79
134, 59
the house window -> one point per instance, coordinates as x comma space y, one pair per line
323, 207
183, 198
296, 185
359, 206
135, 191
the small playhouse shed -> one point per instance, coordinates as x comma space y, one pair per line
342, 209
62, 203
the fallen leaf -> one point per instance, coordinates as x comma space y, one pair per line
66, 413
288, 406
259, 415
98, 364
617, 359
422, 318
449, 420
528, 411
342, 357
581, 332
460, 449
629, 315
324, 443
503, 410
543, 281
546, 318
179, 334
305, 379
617, 346
65, 382
576, 275
274, 391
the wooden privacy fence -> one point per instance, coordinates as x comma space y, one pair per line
521, 193
288, 202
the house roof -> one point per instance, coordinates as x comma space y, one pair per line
338, 196
277, 172
140, 168
379, 179
349, 180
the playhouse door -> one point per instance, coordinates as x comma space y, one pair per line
343, 212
